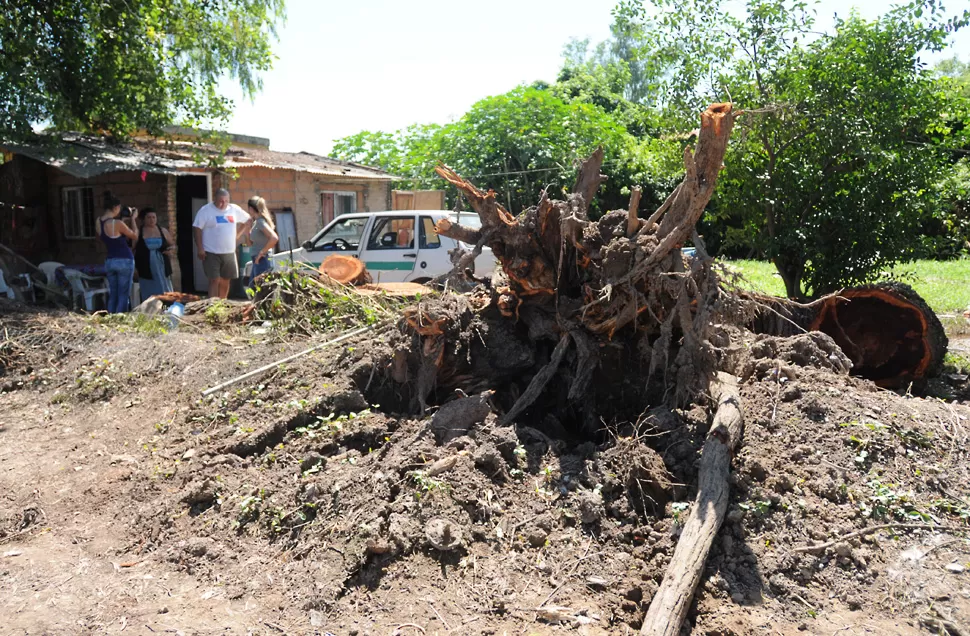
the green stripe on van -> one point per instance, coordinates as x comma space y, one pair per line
389, 265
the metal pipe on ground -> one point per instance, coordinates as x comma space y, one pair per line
262, 369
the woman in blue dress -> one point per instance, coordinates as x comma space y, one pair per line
153, 253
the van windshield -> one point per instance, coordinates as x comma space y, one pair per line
341, 236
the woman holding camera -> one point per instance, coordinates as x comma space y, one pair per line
119, 264
153, 257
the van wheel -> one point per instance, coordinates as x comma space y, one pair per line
421, 281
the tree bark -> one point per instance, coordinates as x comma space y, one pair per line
669, 606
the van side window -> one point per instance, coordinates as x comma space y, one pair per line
392, 233
429, 238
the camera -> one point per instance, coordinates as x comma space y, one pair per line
127, 212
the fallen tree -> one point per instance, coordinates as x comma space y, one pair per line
574, 298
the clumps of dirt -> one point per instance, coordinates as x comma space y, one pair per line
823, 457
748, 355
353, 495
318, 483
33, 341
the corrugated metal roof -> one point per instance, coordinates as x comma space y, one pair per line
85, 157
90, 157
301, 162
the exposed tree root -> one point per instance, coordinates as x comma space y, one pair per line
576, 298
671, 602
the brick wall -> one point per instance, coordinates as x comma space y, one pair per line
300, 192
155, 191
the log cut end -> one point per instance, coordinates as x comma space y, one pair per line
892, 337
346, 270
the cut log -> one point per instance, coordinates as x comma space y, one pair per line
892, 337
394, 290
347, 270
671, 602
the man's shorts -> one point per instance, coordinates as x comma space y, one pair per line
220, 266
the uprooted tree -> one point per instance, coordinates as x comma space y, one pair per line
614, 300
575, 298
617, 300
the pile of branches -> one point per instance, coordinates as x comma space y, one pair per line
304, 301
614, 298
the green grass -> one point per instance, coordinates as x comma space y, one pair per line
134, 323
944, 285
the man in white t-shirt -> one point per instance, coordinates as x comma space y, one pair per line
217, 228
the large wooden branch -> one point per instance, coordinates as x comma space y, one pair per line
669, 606
489, 210
589, 180
446, 227
702, 167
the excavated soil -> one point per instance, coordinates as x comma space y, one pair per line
295, 504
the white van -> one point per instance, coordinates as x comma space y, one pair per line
398, 246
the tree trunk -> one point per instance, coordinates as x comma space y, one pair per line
792, 281
671, 602
892, 337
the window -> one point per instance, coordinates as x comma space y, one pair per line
429, 238
392, 233
334, 204
78, 212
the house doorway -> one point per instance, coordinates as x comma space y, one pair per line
191, 193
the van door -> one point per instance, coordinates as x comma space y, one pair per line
432, 256
390, 252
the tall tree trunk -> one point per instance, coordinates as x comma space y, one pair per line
790, 275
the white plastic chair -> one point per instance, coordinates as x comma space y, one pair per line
52, 292
4, 289
85, 288
50, 270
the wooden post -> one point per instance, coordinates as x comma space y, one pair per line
669, 606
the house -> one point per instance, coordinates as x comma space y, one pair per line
51, 192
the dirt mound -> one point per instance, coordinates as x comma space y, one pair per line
314, 491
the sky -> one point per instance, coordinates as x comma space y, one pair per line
344, 67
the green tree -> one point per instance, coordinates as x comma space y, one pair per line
116, 66
838, 162
518, 144
407, 154
957, 73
